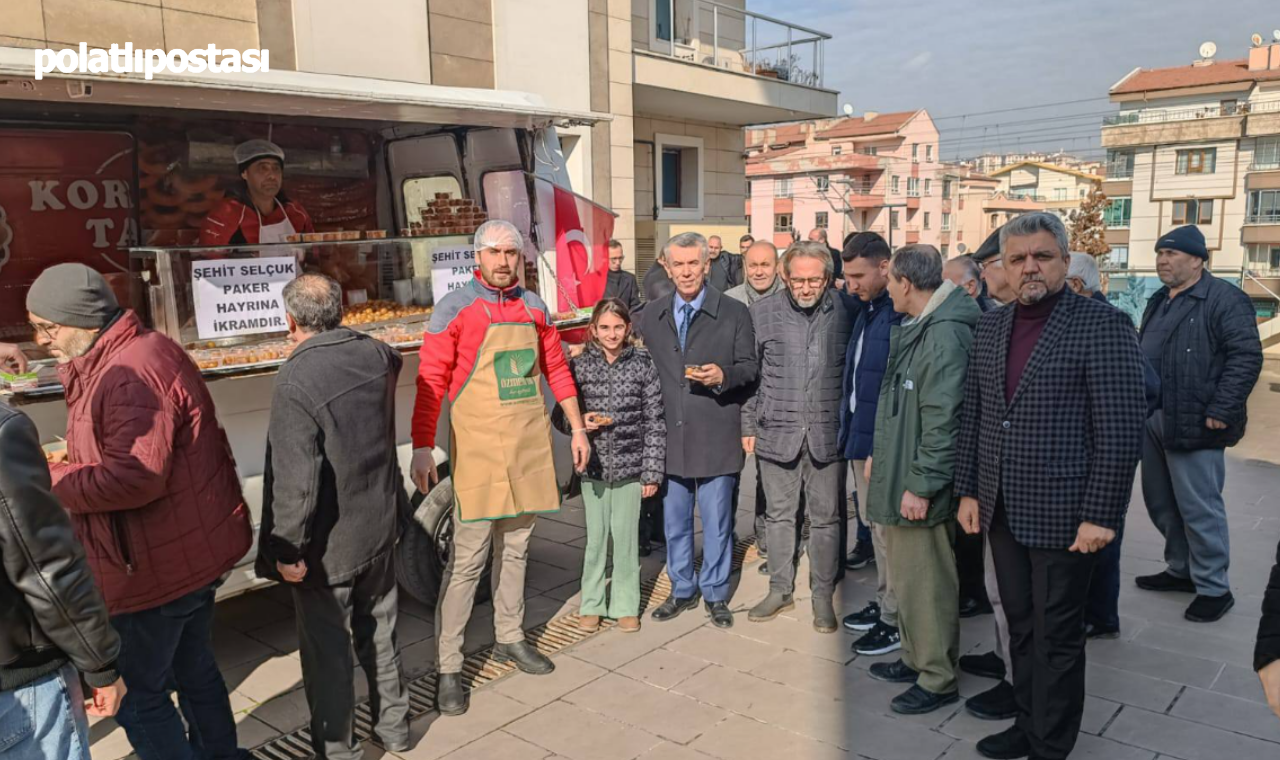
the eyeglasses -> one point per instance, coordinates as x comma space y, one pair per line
47, 329
813, 282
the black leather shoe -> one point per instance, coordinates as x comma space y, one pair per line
1165, 582
451, 698
995, 703
987, 665
673, 607
970, 607
526, 658
918, 701
721, 617
1207, 609
1092, 631
1009, 744
893, 672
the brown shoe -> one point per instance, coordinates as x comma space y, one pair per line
629, 624
589, 623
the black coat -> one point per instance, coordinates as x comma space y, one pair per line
1267, 650
635, 445
726, 271
50, 610
1066, 448
798, 399
622, 286
1209, 365
332, 489
704, 425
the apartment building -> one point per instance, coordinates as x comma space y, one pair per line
668, 84
878, 172
1198, 144
990, 163
974, 207
1059, 189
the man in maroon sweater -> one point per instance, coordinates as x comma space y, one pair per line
1051, 433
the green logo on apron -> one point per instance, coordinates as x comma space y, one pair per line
514, 370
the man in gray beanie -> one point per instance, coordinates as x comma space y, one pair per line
69, 304
153, 496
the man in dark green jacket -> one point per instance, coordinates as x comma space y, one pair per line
912, 468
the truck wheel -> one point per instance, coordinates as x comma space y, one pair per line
424, 547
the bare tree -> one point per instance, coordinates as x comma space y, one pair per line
1088, 227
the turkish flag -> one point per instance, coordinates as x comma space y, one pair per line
583, 230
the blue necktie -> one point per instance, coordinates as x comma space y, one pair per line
686, 312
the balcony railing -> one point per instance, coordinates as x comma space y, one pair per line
1264, 166
725, 37
1269, 217
1119, 171
1158, 115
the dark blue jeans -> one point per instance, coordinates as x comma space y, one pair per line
1102, 610
170, 648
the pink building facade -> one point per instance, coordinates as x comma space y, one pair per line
878, 172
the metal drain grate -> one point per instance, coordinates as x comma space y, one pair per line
480, 668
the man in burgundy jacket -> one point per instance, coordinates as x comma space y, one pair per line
152, 490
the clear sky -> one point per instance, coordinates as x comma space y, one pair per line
957, 57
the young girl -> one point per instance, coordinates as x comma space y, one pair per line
622, 401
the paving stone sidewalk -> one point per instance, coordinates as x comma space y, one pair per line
684, 690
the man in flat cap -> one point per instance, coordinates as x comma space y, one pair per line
256, 211
996, 287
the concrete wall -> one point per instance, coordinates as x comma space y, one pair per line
526, 32
342, 37
462, 52
174, 24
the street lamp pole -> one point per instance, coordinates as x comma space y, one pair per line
891, 207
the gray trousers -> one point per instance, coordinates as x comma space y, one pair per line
821, 484
332, 619
885, 596
993, 594
1183, 492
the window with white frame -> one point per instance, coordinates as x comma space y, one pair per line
928, 152
1263, 207
782, 188
679, 180
893, 183
1119, 164
928, 187
926, 220
835, 150
1264, 259
1266, 153
820, 220
823, 183
946, 188
893, 218
915, 153
781, 222
1118, 258
1117, 212
946, 221
1060, 193
913, 187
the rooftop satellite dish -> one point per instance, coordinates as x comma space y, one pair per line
1275, 35
848, 109
1256, 39
961, 248
1208, 49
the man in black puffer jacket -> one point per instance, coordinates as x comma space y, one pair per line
53, 616
792, 424
1201, 335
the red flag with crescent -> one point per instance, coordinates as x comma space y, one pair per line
583, 230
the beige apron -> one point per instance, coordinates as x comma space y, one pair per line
500, 433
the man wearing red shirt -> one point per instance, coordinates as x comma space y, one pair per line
488, 347
257, 211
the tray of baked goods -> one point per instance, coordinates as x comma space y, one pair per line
572, 318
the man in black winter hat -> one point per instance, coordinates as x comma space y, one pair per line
1201, 336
